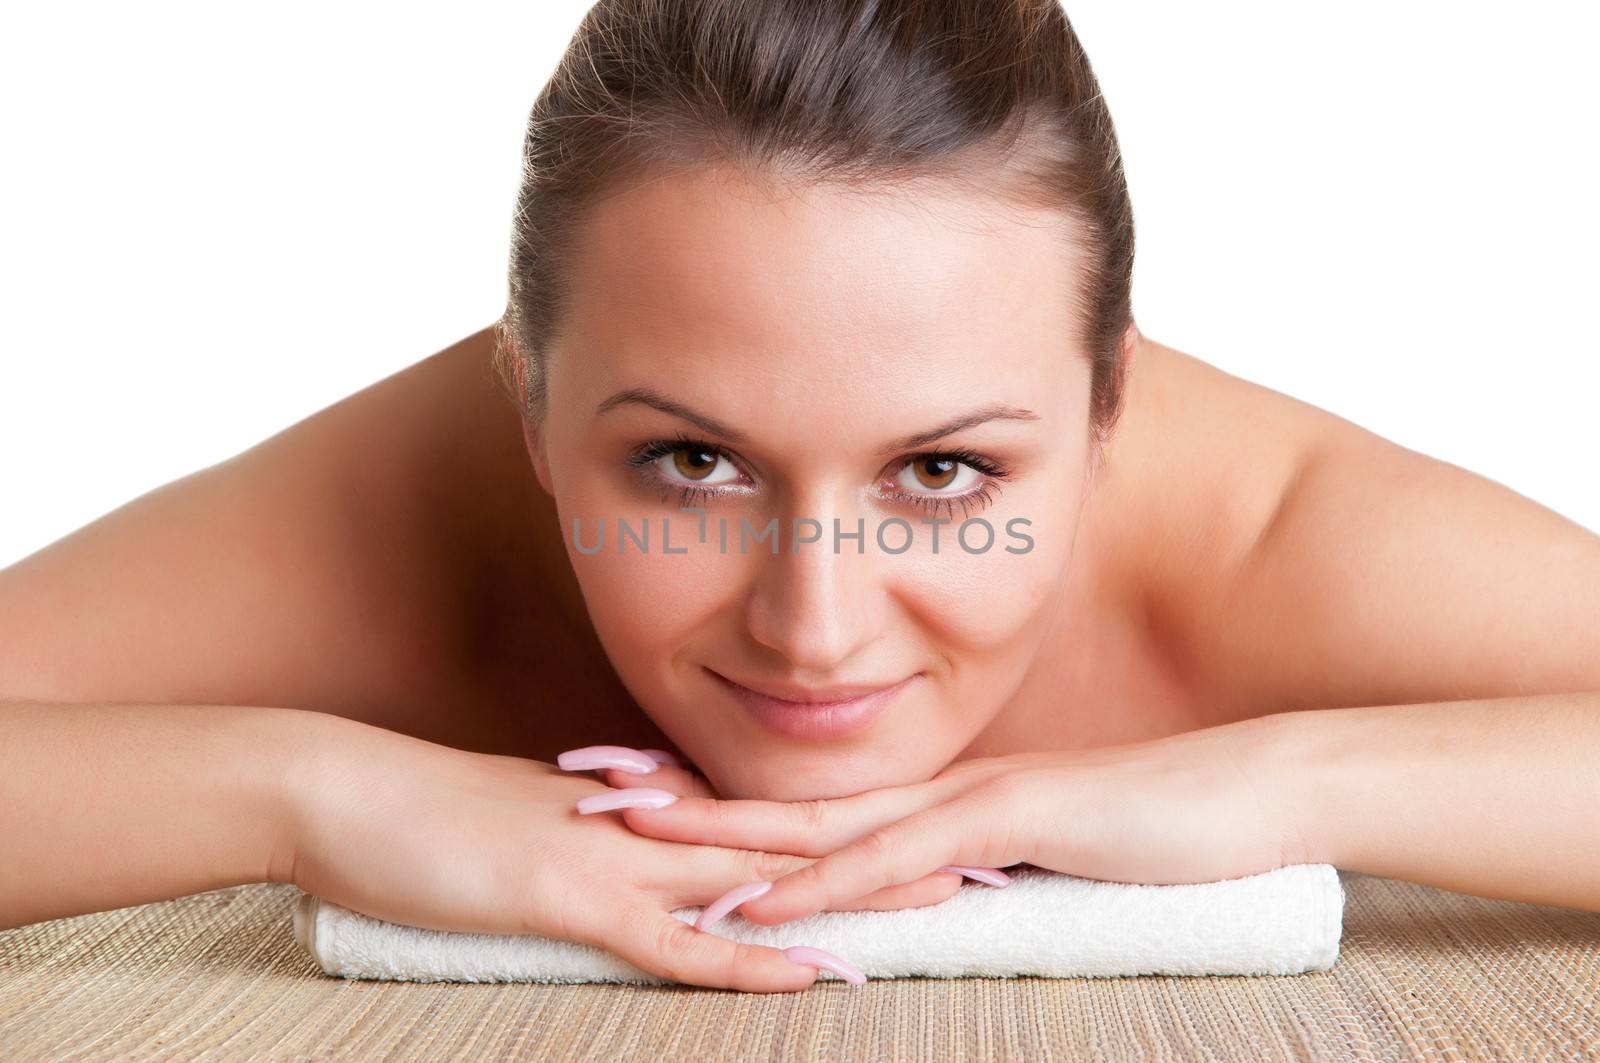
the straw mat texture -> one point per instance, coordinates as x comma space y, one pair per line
1423, 974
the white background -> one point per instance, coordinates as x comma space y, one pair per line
216, 219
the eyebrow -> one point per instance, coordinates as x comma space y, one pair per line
994, 411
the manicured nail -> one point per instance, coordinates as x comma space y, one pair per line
663, 756
807, 956
731, 900
591, 757
630, 797
991, 875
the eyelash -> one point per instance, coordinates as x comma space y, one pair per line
994, 474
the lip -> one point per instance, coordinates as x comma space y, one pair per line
836, 717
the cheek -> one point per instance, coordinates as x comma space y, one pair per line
980, 602
987, 601
652, 602
640, 600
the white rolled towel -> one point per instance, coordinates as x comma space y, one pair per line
1044, 923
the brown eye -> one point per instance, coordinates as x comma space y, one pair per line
935, 472
694, 462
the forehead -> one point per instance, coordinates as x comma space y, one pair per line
784, 286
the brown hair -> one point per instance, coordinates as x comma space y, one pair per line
997, 94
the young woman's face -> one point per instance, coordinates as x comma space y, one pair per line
889, 365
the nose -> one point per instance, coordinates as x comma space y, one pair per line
814, 606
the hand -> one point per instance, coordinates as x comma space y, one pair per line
683, 781
1192, 807
431, 836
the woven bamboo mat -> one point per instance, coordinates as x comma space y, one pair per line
1423, 974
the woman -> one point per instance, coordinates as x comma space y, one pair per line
841, 517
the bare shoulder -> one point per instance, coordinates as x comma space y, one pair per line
1293, 559
337, 566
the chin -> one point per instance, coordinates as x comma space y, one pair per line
826, 777
778, 790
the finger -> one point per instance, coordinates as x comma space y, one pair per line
663, 945
703, 874
675, 780
978, 829
699, 874
928, 890
802, 828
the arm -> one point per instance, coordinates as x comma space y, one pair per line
105, 806
1498, 797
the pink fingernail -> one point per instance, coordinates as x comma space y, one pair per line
629, 797
591, 757
810, 957
663, 756
991, 875
731, 900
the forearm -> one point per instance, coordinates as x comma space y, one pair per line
1498, 798
104, 806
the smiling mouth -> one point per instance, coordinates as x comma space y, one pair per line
836, 717
819, 699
